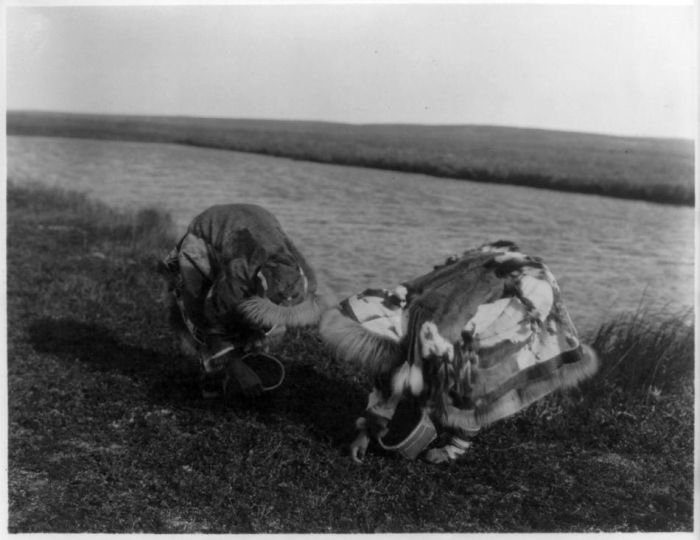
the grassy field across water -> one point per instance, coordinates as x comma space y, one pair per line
651, 169
108, 433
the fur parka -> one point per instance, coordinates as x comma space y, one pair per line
235, 275
477, 339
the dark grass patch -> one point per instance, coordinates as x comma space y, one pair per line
108, 432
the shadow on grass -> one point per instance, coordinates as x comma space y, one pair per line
326, 406
92, 344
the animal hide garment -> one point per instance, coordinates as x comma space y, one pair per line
477, 339
235, 275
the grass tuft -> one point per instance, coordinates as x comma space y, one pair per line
60, 210
644, 353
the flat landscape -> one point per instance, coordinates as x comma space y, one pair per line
108, 432
651, 169
386, 138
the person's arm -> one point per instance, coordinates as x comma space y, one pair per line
373, 423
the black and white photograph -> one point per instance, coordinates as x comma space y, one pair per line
335, 268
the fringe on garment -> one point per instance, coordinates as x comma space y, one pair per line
351, 342
261, 311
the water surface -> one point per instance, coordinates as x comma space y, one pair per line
362, 227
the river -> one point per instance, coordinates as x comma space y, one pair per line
368, 228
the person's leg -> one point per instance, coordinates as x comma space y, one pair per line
462, 426
212, 384
236, 377
455, 448
241, 378
225, 371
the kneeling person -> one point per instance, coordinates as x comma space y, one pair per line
235, 282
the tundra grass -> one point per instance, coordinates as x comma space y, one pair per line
108, 432
652, 169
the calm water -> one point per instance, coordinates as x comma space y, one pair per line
362, 228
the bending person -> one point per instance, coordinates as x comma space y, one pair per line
236, 281
478, 339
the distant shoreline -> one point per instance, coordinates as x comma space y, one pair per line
649, 169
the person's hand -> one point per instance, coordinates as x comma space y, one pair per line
358, 447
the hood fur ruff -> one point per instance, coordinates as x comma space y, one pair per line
263, 312
351, 342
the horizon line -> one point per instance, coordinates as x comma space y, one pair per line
691, 138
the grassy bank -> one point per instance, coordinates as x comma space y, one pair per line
107, 431
658, 170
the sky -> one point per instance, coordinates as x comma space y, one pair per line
627, 70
